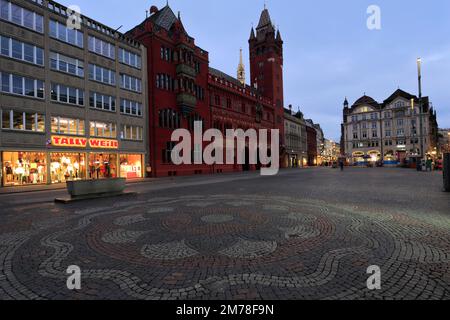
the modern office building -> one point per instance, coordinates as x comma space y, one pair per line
73, 97
389, 131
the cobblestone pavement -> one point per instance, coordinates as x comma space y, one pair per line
304, 234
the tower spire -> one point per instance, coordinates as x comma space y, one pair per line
241, 69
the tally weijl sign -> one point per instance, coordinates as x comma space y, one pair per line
71, 142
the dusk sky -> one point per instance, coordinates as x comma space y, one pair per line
329, 52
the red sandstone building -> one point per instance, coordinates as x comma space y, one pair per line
184, 89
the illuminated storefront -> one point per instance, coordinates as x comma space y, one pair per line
102, 165
131, 166
68, 159
67, 166
24, 168
359, 158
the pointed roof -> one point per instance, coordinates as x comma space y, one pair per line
264, 20
399, 93
366, 100
279, 35
252, 34
164, 18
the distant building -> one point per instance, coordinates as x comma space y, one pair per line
388, 131
311, 134
320, 144
444, 141
331, 151
295, 139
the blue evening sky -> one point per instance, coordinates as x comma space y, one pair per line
329, 51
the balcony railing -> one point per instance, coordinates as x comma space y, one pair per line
186, 99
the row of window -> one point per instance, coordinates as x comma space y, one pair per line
24, 86
370, 144
130, 83
387, 133
61, 32
31, 20
167, 54
35, 122
60, 62
75, 67
199, 92
11, 83
387, 115
101, 74
61, 125
103, 129
365, 135
23, 121
222, 102
132, 133
387, 124
130, 58
169, 119
21, 16
102, 47
102, 101
387, 143
21, 51
130, 107
65, 94
165, 82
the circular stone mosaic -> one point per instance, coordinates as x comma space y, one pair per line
217, 247
217, 218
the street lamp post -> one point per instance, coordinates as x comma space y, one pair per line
419, 70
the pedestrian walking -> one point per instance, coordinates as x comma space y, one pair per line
341, 164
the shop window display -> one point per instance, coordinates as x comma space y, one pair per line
102, 165
131, 166
67, 167
24, 168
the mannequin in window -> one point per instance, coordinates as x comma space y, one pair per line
8, 172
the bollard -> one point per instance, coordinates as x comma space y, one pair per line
446, 167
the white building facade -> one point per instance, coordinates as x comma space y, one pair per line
388, 132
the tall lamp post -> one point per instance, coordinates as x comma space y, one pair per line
419, 70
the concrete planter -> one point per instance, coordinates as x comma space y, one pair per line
86, 189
